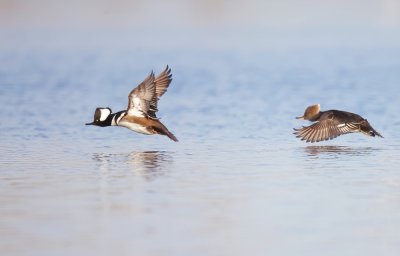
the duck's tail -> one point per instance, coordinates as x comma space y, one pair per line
171, 136
367, 129
161, 129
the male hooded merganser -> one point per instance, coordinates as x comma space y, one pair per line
142, 107
332, 123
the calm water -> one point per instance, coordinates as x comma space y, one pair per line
237, 183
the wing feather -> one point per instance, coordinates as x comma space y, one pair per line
139, 98
323, 130
162, 82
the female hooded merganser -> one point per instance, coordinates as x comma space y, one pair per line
332, 123
142, 107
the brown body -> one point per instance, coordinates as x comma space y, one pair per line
145, 125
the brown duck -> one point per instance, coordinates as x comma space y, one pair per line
331, 124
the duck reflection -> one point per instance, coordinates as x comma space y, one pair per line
147, 163
337, 150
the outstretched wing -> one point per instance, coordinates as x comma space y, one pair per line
162, 81
325, 130
139, 98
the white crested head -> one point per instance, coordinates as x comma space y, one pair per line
101, 114
104, 113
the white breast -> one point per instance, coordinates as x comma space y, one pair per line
134, 127
116, 121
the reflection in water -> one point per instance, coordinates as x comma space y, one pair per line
146, 163
337, 150
123, 173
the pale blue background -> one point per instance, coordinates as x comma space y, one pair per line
238, 182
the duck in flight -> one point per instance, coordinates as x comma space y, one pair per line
140, 115
331, 124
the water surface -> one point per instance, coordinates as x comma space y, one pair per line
237, 183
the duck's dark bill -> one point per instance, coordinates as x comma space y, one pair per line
89, 123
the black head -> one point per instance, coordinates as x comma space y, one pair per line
100, 117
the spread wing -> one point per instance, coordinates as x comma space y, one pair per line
139, 99
162, 81
325, 130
